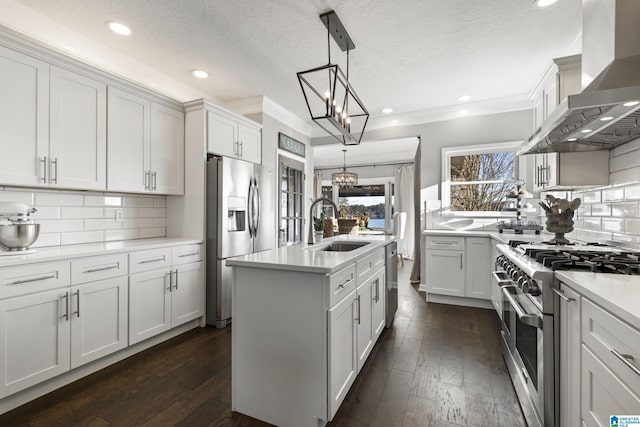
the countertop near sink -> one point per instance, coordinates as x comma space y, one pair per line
307, 258
55, 253
494, 234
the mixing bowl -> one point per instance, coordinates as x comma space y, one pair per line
18, 237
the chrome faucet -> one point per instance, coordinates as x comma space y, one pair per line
313, 204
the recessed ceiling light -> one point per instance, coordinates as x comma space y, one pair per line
631, 103
464, 98
585, 130
200, 74
545, 3
606, 119
119, 28
572, 139
387, 110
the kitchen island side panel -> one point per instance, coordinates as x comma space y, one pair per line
279, 350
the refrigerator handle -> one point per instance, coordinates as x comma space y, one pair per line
250, 208
256, 194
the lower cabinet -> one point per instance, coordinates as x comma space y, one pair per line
445, 272
478, 267
570, 341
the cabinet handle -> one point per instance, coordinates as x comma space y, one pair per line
146, 180
169, 273
176, 272
241, 146
189, 254
95, 270
562, 296
626, 359
77, 294
35, 279
54, 162
147, 261
66, 305
44, 169
358, 316
377, 290
444, 243
154, 175
461, 261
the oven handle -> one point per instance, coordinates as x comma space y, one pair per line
500, 281
528, 319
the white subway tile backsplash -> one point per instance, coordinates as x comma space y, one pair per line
60, 225
47, 239
127, 212
146, 233
101, 224
81, 237
626, 209
613, 224
592, 236
632, 226
152, 212
632, 192
626, 148
590, 197
584, 210
159, 202
81, 212
626, 176
56, 198
113, 235
138, 223
46, 212
613, 194
11, 195
589, 223
138, 202
103, 200
159, 222
601, 209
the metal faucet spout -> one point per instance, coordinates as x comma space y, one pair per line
313, 204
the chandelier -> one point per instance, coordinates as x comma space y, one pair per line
333, 103
344, 178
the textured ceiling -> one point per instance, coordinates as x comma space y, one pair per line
410, 55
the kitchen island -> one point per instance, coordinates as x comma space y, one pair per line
304, 322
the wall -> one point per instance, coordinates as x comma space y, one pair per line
364, 172
68, 217
612, 212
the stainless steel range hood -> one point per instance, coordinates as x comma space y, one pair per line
607, 113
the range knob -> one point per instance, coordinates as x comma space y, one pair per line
531, 287
515, 274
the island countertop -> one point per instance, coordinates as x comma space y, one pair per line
309, 258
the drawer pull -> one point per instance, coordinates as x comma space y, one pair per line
147, 261
66, 305
342, 285
626, 359
562, 296
95, 270
35, 279
445, 243
77, 294
189, 254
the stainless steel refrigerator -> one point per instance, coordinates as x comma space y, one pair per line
240, 220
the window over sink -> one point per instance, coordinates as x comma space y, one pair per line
478, 178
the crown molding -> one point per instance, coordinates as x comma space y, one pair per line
265, 105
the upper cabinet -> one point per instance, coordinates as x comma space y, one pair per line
233, 136
146, 145
24, 128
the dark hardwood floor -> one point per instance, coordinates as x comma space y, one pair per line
438, 365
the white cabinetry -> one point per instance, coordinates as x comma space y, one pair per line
570, 341
146, 145
162, 297
233, 136
24, 108
458, 266
343, 351
78, 140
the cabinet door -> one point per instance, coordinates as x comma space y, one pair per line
128, 142
167, 150
187, 296
34, 332
603, 394
445, 272
24, 128
378, 305
343, 352
551, 170
539, 175
478, 268
98, 320
250, 139
149, 304
570, 340
364, 325
222, 135
78, 141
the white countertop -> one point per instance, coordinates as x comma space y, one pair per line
303, 258
618, 293
56, 253
504, 237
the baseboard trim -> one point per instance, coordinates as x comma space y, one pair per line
463, 301
25, 396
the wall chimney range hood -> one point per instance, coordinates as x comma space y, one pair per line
607, 112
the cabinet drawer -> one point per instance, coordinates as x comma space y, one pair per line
31, 278
92, 269
614, 342
368, 265
445, 242
186, 254
149, 260
341, 284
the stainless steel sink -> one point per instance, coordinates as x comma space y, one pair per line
341, 246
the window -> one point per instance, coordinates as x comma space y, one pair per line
291, 200
478, 178
366, 202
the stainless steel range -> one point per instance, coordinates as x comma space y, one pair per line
525, 273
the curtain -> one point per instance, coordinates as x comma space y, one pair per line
404, 201
317, 184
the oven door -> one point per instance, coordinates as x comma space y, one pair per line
527, 345
498, 280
